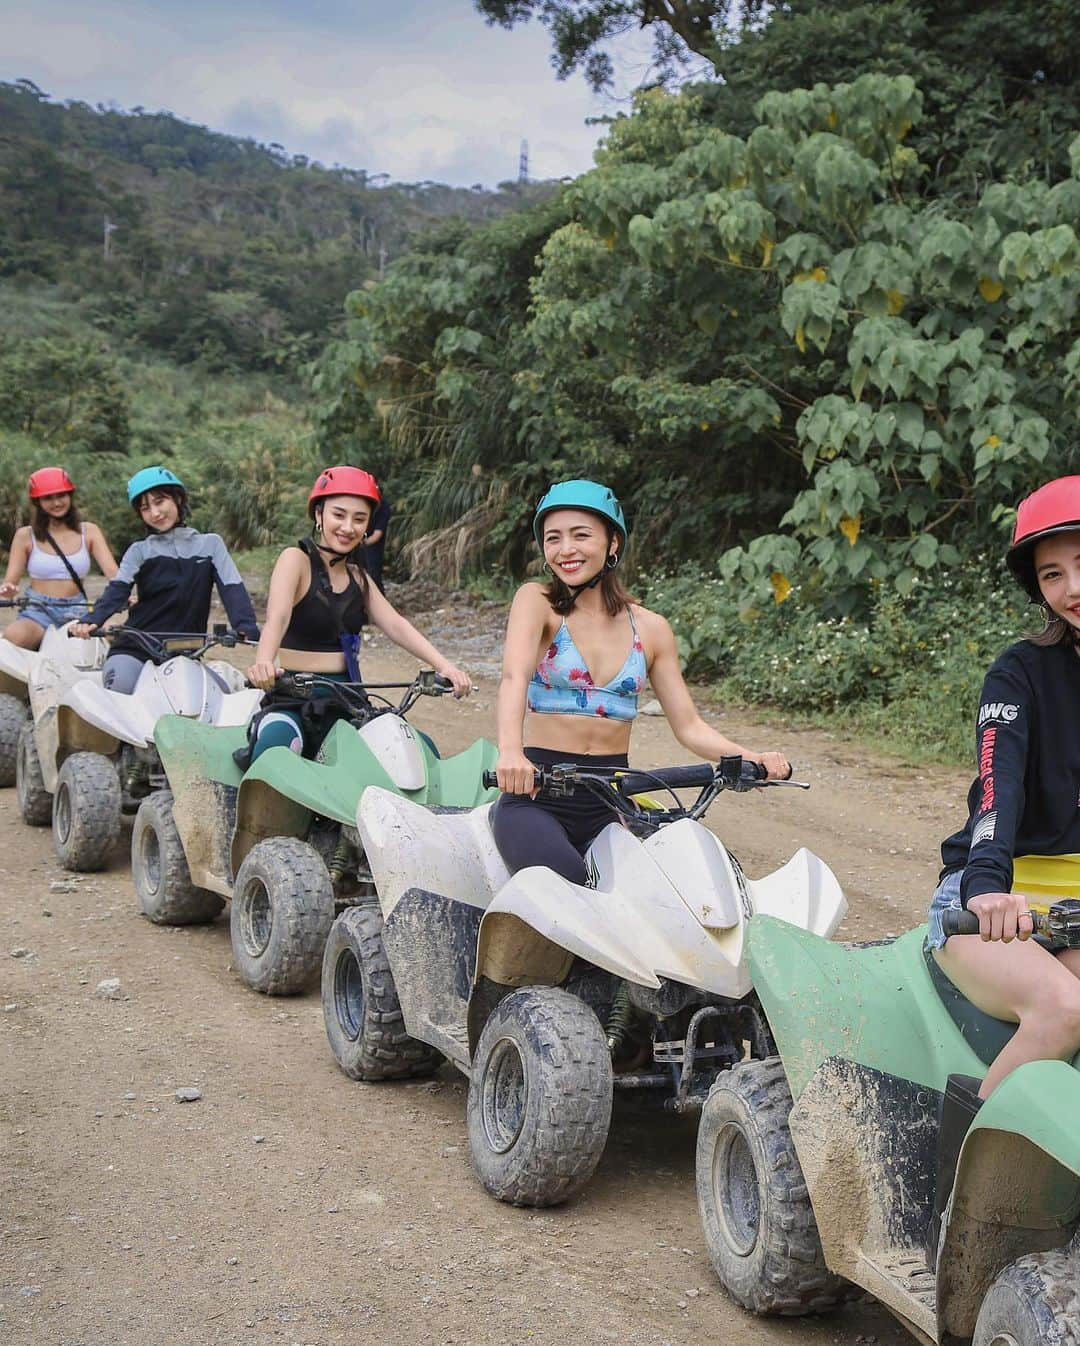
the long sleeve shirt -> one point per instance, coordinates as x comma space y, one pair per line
1026, 797
176, 573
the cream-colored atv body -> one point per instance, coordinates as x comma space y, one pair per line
92, 758
549, 994
57, 663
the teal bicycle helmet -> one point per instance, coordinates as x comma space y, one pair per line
580, 494
152, 479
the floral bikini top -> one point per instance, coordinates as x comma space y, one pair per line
562, 685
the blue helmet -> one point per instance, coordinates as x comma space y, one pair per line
152, 479
587, 495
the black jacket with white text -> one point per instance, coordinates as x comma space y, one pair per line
1026, 797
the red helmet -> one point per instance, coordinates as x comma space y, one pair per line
1053, 508
343, 481
49, 481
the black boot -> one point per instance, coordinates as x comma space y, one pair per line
959, 1105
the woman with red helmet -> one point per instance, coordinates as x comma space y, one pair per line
55, 550
320, 599
1021, 842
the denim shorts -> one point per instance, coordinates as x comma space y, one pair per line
48, 611
946, 897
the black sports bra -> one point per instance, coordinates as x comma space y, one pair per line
321, 617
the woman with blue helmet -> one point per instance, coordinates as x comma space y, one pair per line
175, 568
566, 663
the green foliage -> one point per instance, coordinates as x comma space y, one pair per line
907, 664
785, 340
67, 395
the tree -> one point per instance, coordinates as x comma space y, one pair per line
580, 29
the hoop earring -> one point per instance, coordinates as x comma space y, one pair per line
612, 561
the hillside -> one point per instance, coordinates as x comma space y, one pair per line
200, 245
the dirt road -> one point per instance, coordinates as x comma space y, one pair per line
290, 1205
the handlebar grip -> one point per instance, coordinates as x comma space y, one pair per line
960, 922
694, 777
443, 684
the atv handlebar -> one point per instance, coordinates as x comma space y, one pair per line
355, 696
1060, 924
617, 786
163, 645
21, 602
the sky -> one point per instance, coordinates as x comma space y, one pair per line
418, 89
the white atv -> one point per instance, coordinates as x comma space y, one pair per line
93, 759
69, 659
549, 995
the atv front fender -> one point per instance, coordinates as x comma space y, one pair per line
1017, 1186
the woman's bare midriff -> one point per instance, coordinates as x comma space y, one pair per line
311, 661
55, 588
577, 734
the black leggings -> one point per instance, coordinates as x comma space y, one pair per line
553, 831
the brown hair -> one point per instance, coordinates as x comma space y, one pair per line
39, 520
1055, 631
613, 593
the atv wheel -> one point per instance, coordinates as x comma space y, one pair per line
1035, 1301
35, 802
539, 1097
159, 868
13, 715
363, 1017
760, 1229
86, 811
282, 911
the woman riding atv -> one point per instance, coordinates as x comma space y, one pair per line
1021, 841
55, 551
319, 602
558, 632
175, 569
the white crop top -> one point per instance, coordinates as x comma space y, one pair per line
44, 564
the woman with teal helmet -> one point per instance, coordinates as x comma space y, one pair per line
175, 568
557, 634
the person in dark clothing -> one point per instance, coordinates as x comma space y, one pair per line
1021, 843
375, 542
176, 569
320, 600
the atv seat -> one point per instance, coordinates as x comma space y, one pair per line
984, 1034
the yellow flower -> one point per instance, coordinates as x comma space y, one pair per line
781, 585
850, 528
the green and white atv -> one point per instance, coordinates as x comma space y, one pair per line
279, 840
816, 1170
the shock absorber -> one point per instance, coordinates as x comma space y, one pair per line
341, 861
620, 1019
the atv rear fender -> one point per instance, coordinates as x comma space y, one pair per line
282, 791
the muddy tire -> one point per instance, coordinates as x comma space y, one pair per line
1035, 1301
361, 1010
86, 811
539, 1097
13, 715
282, 911
35, 802
760, 1230
159, 868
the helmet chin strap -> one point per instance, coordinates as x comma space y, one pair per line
576, 590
